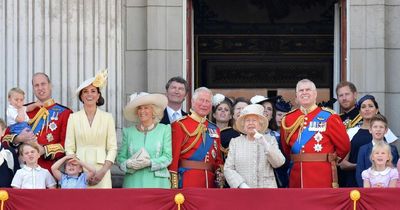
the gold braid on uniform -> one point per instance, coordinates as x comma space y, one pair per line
51, 150
174, 180
219, 176
224, 151
355, 121
41, 114
289, 131
201, 128
8, 139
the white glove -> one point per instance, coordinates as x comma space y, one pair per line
137, 164
145, 162
244, 186
261, 140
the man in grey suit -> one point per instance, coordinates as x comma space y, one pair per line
176, 91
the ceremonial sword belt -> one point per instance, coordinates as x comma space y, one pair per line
327, 157
191, 164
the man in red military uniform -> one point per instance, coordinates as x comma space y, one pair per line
48, 122
196, 147
313, 138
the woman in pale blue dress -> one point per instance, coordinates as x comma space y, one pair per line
146, 147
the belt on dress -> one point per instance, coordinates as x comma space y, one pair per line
327, 157
196, 165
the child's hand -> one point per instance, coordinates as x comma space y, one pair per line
70, 156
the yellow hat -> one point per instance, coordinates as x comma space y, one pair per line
100, 81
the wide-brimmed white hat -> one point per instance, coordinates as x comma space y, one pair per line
100, 81
160, 101
252, 109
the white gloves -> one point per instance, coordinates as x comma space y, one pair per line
138, 164
261, 140
139, 160
243, 185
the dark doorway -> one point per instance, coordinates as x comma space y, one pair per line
263, 45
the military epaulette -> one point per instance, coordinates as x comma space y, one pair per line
65, 107
328, 110
291, 111
182, 118
226, 128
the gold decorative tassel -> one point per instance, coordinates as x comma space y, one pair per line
355, 196
179, 200
3, 198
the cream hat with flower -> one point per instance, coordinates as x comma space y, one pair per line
252, 109
160, 101
100, 81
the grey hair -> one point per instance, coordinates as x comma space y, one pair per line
303, 81
200, 90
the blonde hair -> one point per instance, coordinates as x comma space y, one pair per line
385, 146
15, 90
158, 112
21, 148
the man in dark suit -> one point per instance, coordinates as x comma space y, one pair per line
176, 91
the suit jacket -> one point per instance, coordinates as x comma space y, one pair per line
165, 119
363, 161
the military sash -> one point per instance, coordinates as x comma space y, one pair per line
201, 151
44, 117
307, 133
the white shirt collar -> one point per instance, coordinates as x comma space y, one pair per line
383, 173
170, 112
25, 167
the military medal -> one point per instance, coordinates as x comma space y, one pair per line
53, 116
347, 122
318, 137
213, 133
318, 147
49, 137
213, 154
53, 126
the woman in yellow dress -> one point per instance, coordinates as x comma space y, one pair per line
91, 132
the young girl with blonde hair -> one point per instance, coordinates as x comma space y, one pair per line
381, 173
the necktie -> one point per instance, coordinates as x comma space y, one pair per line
175, 116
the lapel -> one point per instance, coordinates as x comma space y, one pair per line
183, 113
165, 119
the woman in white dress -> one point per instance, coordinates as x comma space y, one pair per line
252, 156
